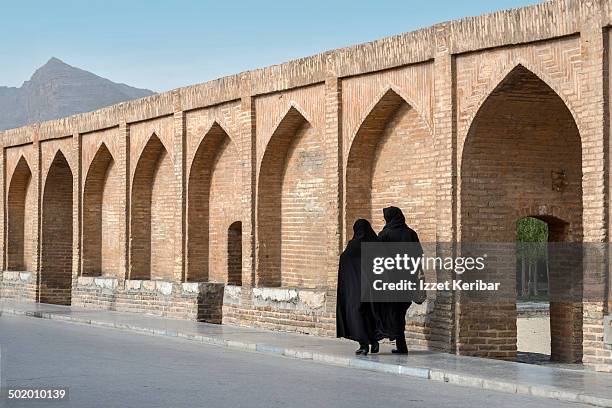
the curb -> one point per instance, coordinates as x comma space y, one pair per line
541, 391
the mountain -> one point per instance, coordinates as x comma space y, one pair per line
56, 90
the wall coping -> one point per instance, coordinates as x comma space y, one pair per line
17, 275
290, 298
139, 285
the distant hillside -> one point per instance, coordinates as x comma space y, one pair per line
56, 90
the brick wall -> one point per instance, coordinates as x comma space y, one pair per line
291, 194
213, 183
56, 265
378, 177
194, 301
153, 214
299, 310
256, 179
102, 212
18, 285
21, 218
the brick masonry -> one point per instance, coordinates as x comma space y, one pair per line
246, 187
194, 301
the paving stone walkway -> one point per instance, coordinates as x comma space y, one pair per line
544, 381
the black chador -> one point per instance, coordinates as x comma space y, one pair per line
391, 317
354, 319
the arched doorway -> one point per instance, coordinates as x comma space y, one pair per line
391, 162
21, 219
213, 203
56, 241
152, 221
291, 206
548, 281
522, 157
102, 197
234, 254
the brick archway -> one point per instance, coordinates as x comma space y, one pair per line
56, 240
391, 161
291, 206
214, 181
153, 211
21, 218
102, 197
234, 254
522, 157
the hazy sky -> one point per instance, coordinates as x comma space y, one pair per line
162, 45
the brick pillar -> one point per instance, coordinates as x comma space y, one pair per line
179, 149
123, 165
76, 208
333, 177
36, 179
445, 144
594, 135
248, 170
4, 237
607, 123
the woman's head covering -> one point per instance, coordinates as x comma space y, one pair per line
362, 231
394, 217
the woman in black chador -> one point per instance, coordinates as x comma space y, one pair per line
354, 320
392, 316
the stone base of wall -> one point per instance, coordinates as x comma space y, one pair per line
286, 309
526, 310
193, 300
418, 326
597, 337
18, 285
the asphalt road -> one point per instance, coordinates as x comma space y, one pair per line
113, 368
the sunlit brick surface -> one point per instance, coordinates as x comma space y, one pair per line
231, 200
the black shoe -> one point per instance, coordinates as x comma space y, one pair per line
362, 351
374, 348
400, 346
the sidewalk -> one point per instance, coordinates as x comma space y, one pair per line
549, 382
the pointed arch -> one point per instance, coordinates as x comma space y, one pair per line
214, 181
391, 161
21, 218
102, 198
56, 240
393, 96
291, 205
153, 214
522, 155
281, 138
505, 74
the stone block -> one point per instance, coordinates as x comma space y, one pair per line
608, 330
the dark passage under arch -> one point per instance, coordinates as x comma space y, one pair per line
234, 254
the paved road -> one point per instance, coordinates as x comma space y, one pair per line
112, 368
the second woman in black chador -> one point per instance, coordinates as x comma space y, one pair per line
391, 317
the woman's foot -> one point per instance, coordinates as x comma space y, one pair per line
400, 346
362, 350
374, 347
